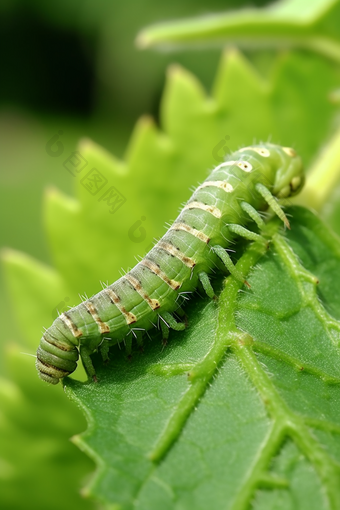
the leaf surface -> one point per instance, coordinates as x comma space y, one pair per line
243, 406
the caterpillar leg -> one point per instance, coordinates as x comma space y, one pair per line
87, 362
139, 338
244, 232
168, 322
271, 201
165, 331
181, 313
128, 341
223, 255
128, 345
253, 214
104, 351
172, 323
204, 279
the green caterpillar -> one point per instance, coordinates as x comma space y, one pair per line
248, 182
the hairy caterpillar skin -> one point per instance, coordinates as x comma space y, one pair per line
216, 213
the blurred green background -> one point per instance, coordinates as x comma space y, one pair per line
71, 67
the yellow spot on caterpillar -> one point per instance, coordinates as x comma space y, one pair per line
102, 326
153, 303
176, 253
156, 270
245, 166
217, 184
129, 317
190, 230
265, 153
208, 208
70, 324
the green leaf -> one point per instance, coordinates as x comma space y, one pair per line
243, 404
300, 23
89, 244
37, 462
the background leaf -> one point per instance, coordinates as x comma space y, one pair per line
300, 23
36, 425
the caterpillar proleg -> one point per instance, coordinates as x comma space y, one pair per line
249, 181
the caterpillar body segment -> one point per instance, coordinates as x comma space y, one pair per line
222, 208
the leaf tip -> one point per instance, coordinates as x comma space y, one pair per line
142, 40
76, 440
146, 121
9, 256
175, 70
51, 192
6, 254
85, 143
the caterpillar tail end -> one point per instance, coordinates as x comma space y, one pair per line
51, 379
55, 360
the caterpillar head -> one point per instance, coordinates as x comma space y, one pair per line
289, 178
